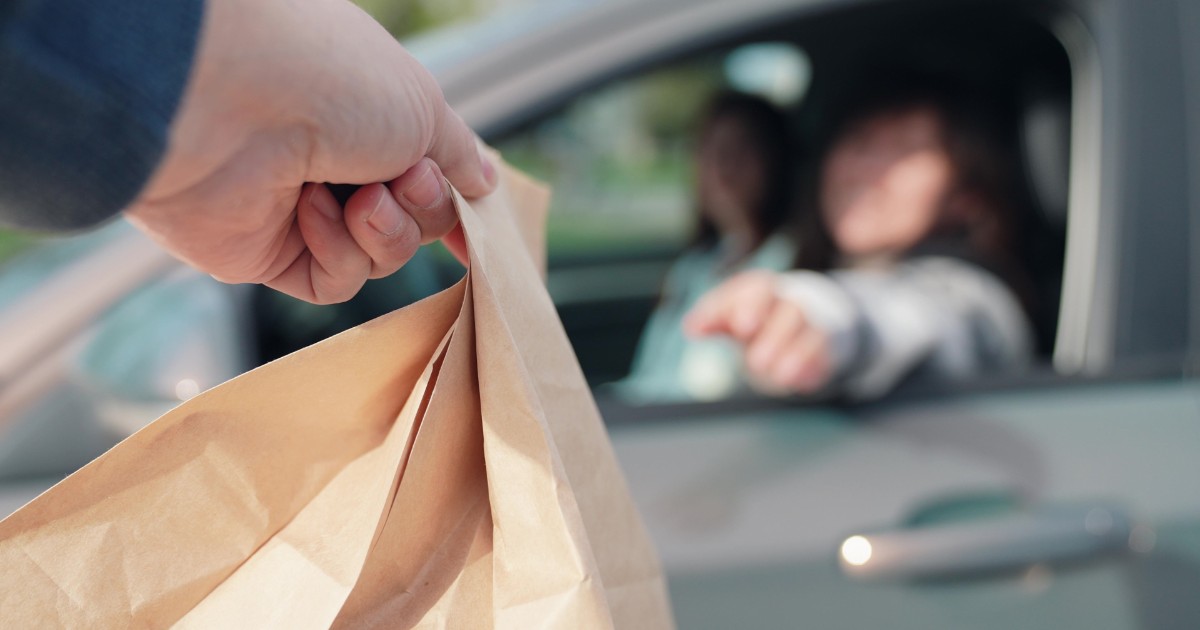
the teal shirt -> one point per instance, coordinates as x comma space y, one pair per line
669, 367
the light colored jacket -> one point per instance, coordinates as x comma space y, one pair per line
930, 317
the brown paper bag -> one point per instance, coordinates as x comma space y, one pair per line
443, 466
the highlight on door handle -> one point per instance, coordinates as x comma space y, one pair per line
1047, 535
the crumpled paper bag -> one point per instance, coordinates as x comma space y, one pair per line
443, 466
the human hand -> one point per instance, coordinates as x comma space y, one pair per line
783, 352
284, 94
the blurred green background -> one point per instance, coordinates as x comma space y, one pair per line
405, 17
11, 243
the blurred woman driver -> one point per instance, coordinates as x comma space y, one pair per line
914, 194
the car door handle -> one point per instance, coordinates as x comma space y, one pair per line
1048, 535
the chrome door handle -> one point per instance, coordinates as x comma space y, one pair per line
1049, 535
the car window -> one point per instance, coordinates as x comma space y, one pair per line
624, 225
619, 158
618, 161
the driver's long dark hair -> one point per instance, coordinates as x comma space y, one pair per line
769, 132
970, 128
984, 161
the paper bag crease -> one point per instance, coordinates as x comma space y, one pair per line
443, 466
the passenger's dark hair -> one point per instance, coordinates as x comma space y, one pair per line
770, 133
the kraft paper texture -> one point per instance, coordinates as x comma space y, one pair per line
443, 466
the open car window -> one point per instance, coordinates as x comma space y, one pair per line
621, 159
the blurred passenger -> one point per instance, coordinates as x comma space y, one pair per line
743, 167
915, 193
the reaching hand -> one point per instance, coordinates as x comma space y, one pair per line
782, 350
285, 94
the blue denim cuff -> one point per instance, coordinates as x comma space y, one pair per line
88, 89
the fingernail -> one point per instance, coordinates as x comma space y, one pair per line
386, 218
325, 204
426, 190
489, 170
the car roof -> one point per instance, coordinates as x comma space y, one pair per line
491, 67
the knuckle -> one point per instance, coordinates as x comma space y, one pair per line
403, 243
330, 293
398, 249
335, 290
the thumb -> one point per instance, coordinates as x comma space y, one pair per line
710, 316
457, 150
737, 308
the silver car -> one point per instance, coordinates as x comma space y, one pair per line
1067, 496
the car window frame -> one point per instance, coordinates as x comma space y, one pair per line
1086, 332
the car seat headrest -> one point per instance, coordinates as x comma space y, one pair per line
1045, 135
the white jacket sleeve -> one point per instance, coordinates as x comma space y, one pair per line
940, 317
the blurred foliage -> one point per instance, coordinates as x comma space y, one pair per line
406, 17
11, 243
619, 159
673, 99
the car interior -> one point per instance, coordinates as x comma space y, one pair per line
621, 212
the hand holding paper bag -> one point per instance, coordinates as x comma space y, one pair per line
443, 466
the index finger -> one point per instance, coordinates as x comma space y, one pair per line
460, 155
736, 308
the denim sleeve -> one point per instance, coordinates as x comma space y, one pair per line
88, 89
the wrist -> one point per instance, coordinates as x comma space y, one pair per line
828, 309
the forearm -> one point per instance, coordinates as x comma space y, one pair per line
89, 88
